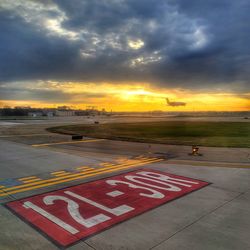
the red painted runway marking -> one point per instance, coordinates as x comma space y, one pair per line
74, 213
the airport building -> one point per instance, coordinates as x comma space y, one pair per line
64, 112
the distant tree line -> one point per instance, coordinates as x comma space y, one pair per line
14, 112
18, 111
28, 111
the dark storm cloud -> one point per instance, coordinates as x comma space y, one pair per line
46, 95
27, 53
188, 44
33, 94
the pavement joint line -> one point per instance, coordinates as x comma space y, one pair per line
88, 244
51, 182
66, 142
224, 188
201, 217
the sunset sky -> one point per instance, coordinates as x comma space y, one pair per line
125, 55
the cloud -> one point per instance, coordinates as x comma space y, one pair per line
46, 92
169, 43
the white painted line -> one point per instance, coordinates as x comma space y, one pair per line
115, 211
115, 193
50, 217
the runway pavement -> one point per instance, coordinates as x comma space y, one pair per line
214, 216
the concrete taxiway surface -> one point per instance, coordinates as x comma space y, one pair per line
214, 217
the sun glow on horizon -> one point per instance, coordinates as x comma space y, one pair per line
129, 97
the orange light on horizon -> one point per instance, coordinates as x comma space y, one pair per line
135, 97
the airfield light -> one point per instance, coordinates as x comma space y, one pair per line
195, 151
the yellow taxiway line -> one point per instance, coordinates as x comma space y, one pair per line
32, 181
65, 142
84, 168
27, 178
72, 175
78, 176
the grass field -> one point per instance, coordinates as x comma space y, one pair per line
220, 134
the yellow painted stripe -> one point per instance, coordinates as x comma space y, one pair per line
59, 178
66, 142
84, 169
30, 181
109, 165
62, 174
58, 172
79, 177
51, 180
140, 156
120, 161
105, 163
27, 178
128, 161
135, 160
71, 173
79, 168
75, 176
